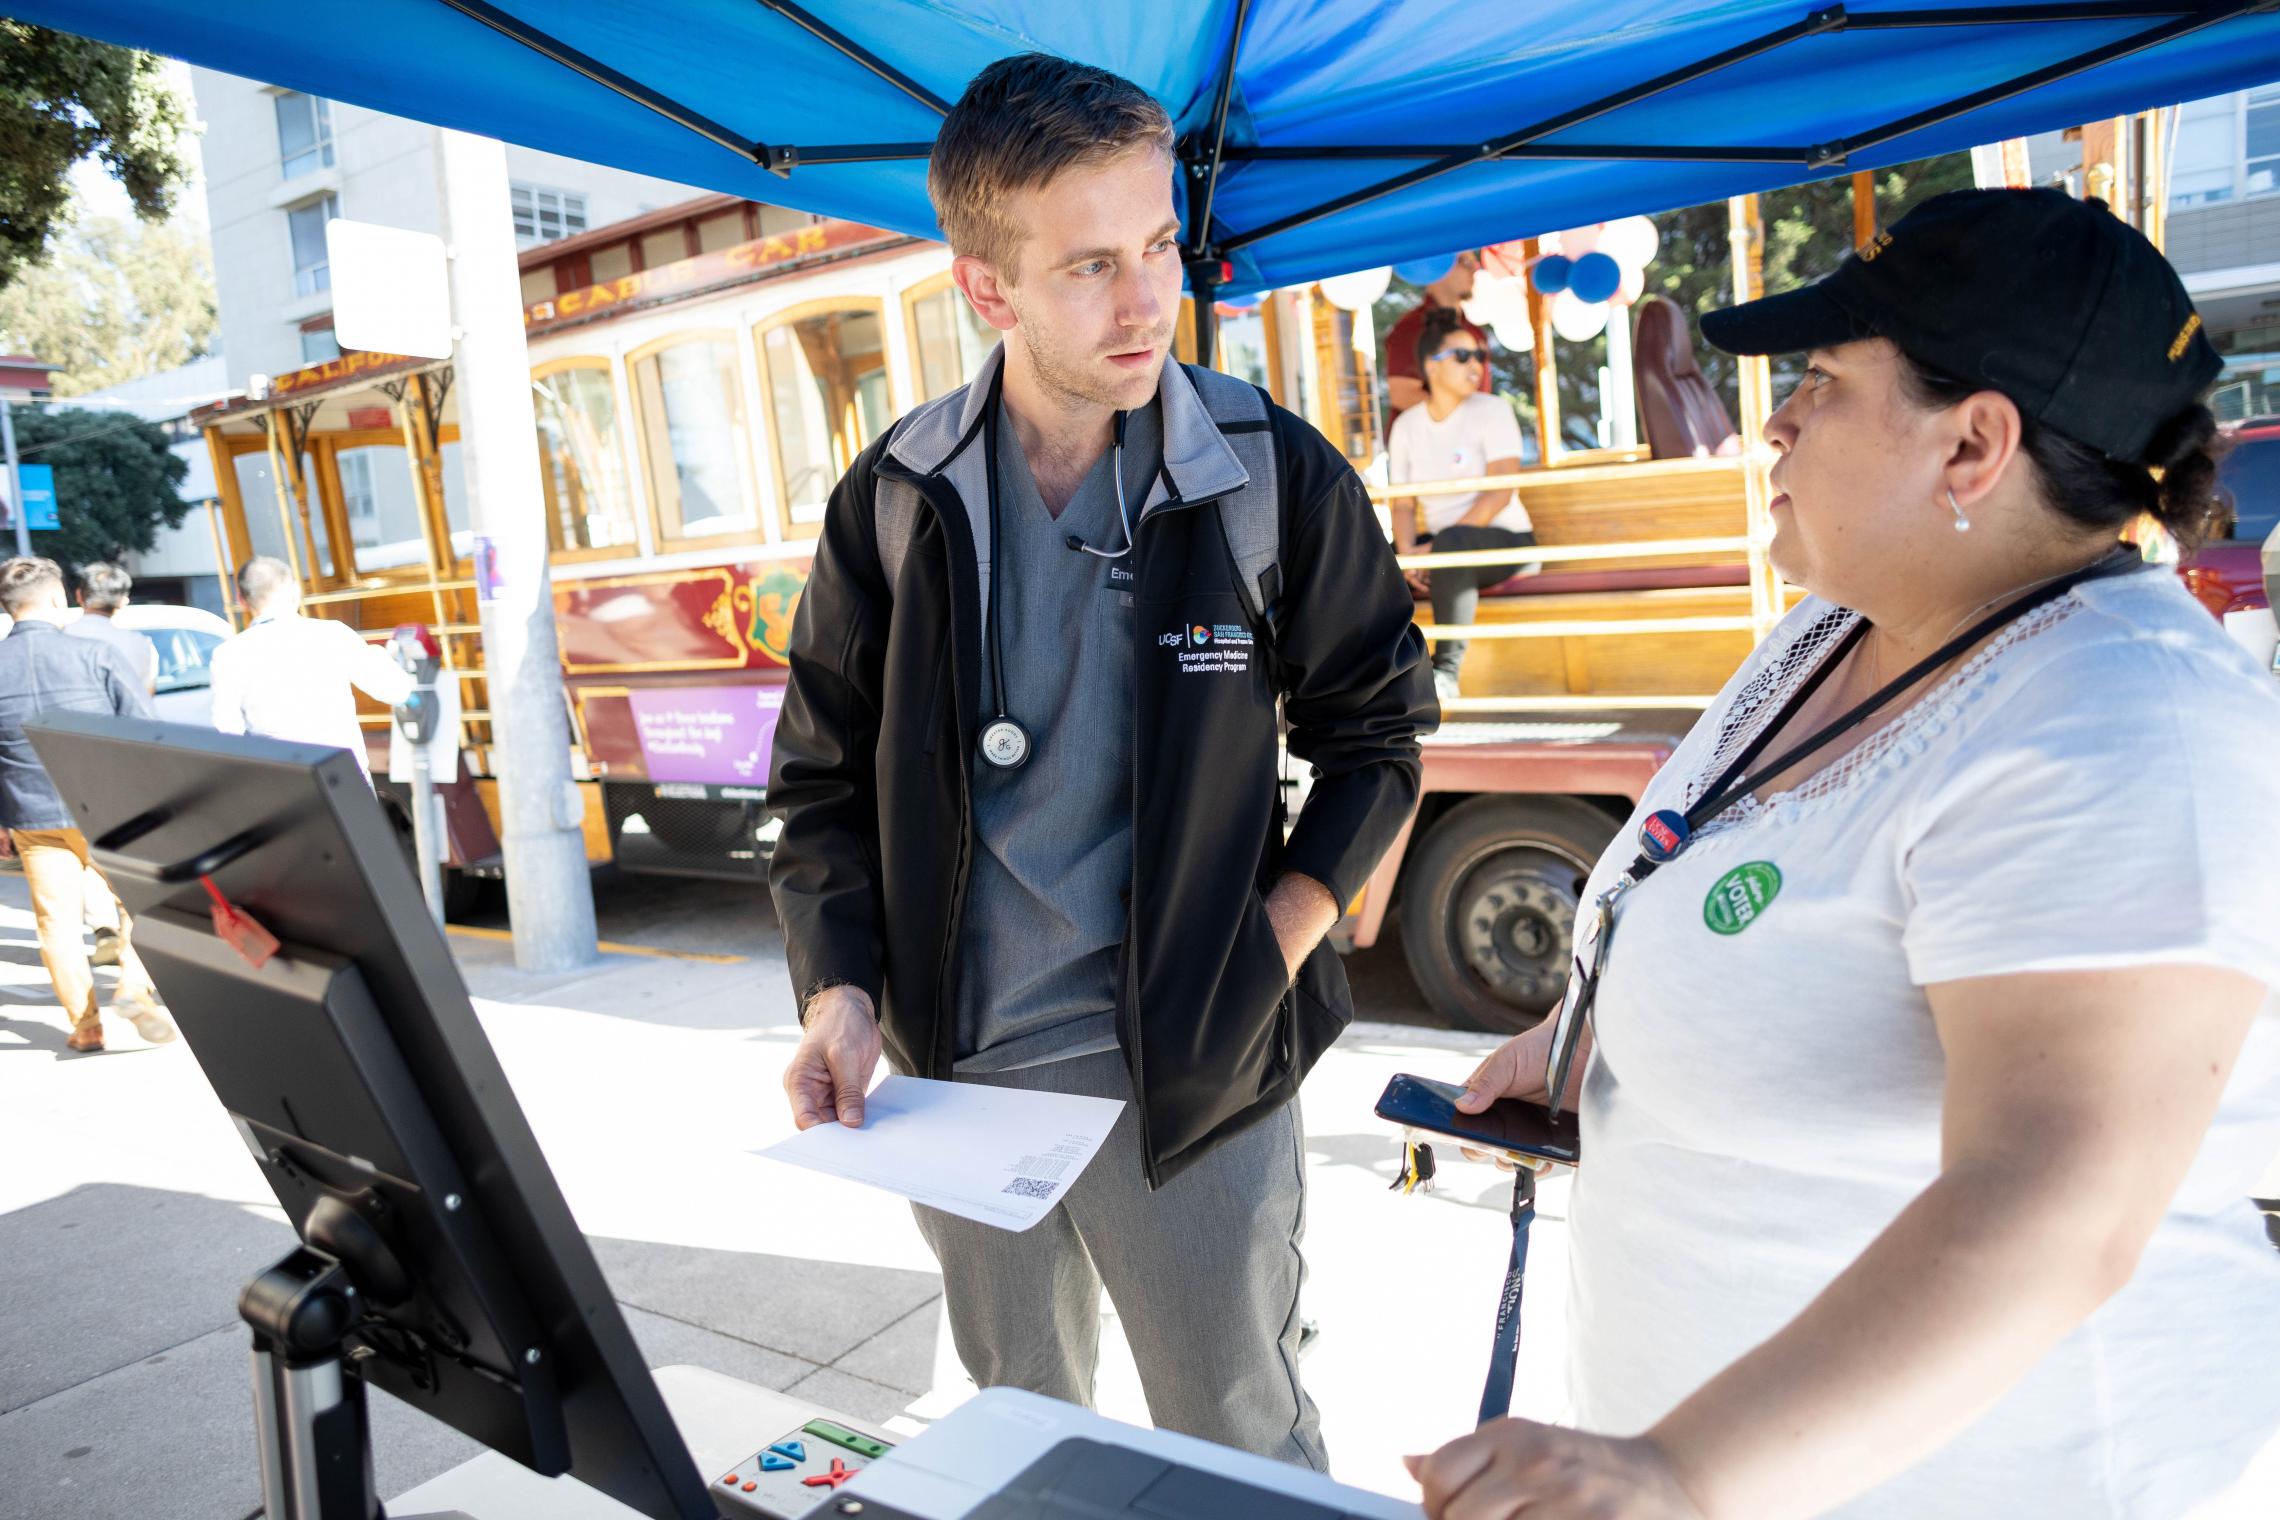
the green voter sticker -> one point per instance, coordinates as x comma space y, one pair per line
1741, 895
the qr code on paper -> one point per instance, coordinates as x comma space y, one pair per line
1032, 1187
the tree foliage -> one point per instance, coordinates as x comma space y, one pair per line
113, 301
115, 479
62, 99
1808, 231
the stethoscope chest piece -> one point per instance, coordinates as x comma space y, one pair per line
1005, 743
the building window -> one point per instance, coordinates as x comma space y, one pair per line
692, 426
546, 216
304, 133
2227, 147
2260, 170
319, 346
581, 467
311, 271
825, 376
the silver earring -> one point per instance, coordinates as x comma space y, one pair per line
1962, 523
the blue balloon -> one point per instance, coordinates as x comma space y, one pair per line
1425, 271
1551, 273
1595, 277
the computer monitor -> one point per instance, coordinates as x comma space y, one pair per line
440, 1261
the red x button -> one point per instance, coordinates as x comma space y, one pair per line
840, 1473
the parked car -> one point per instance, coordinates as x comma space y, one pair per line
2236, 573
186, 638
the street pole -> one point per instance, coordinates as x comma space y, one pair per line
550, 896
15, 480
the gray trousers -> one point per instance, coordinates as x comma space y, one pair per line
1205, 1275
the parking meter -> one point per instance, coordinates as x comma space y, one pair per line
420, 719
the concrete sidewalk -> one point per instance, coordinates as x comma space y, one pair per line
130, 1215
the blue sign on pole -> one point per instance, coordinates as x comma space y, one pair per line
39, 496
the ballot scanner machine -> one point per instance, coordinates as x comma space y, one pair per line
279, 917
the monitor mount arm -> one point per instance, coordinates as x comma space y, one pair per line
310, 1421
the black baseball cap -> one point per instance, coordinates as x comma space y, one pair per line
2055, 302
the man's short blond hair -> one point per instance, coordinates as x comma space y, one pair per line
25, 581
1021, 122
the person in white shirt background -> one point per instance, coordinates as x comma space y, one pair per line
1457, 433
1931, 1080
289, 677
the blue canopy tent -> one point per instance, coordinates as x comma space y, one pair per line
1316, 136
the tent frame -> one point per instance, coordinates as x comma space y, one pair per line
1204, 152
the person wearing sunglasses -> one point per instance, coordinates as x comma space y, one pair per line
1404, 375
1459, 432
1931, 1052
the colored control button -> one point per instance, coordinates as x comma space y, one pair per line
730, 1480
770, 1462
840, 1473
840, 1435
796, 1450
749, 1486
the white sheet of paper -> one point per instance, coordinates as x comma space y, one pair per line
996, 1155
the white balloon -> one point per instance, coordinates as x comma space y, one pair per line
1497, 300
1516, 336
1359, 290
1631, 242
1578, 321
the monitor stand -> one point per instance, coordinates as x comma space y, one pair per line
310, 1423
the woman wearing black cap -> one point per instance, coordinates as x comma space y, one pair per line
1934, 1053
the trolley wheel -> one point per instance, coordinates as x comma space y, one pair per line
1489, 902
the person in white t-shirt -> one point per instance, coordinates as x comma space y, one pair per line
1928, 1082
1459, 432
289, 676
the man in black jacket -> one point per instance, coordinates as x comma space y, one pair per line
1026, 766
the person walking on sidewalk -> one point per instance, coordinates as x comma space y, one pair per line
1060, 599
288, 676
43, 671
103, 592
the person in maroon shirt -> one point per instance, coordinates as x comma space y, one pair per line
1404, 384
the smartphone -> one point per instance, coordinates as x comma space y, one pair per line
1508, 1124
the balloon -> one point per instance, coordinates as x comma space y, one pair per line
1576, 320
1508, 259
1631, 242
1594, 278
1240, 303
1551, 273
1634, 286
1496, 300
1425, 271
1578, 241
1356, 291
1517, 337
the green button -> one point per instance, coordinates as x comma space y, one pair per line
1741, 896
840, 1435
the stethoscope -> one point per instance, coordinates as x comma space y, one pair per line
1004, 742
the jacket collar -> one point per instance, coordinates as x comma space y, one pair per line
1198, 464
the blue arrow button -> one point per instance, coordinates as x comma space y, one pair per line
796, 1450
770, 1462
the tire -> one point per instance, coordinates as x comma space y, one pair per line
1488, 906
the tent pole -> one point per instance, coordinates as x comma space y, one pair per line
854, 51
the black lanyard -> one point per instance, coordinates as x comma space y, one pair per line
1665, 836
1733, 785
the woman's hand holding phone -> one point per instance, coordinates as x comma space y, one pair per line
1515, 1069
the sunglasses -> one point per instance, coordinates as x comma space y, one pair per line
1463, 355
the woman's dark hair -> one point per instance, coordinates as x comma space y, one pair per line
2088, 489
1439, 324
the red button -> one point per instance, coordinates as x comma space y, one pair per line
730, 1480
748, 1487
840, 1473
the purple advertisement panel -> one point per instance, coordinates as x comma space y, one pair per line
716, 734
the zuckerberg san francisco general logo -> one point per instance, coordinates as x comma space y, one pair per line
1200, 634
